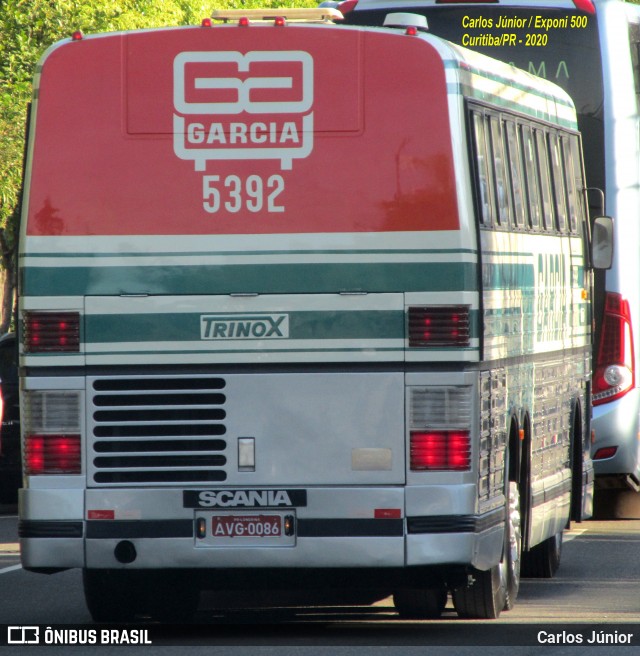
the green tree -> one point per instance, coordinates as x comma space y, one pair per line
27, 29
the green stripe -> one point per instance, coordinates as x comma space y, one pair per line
465, 69
204, 354
254, 278
471, 92
508, 275
302, 325
464, 86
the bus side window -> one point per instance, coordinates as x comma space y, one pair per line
574, 180
485, 194
532, 186
557, 171
545, 182
503, 193
515, 165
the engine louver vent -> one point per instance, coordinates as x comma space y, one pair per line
157, 430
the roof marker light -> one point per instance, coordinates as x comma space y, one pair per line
280, 21
406, 20
77, 36
243, 22
206, 22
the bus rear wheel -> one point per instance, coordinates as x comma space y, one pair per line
496, 589
513, 547
543, 561
484, 598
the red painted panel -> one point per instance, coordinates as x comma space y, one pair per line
242, 131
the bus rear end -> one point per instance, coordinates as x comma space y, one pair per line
248, 304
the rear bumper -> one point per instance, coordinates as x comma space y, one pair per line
350, 536
618, 424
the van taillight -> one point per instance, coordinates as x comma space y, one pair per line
605, 452
51, 332
440, 450
439, 326
347, 6
585, 5
52, 454
615, 372
582, 5
467, 2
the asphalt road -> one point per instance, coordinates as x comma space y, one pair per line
596, 589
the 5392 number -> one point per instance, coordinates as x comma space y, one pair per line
234, 194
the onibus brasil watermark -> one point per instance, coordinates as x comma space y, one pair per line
38, 635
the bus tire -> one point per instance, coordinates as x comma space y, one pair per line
513, 547
110, 595
543, 560
496, 589
577, 447
420, 604
484, 597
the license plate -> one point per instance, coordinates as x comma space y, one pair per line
246, 526
245, 529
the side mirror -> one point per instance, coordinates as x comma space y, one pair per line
602, 243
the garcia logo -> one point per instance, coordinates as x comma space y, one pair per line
244, 498
241, 326
252, 106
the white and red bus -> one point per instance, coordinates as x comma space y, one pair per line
589, 48
294, 311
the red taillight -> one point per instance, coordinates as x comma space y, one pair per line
585, 5
51, 332
440, 450
347, 6
439, 326
52, 454
614, 373
605, 452
467, 2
